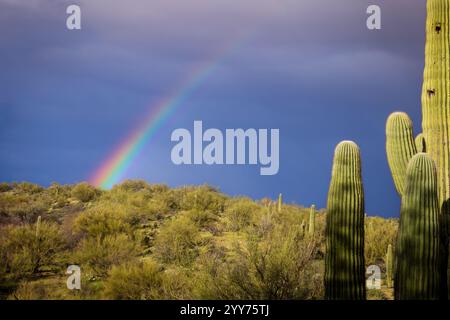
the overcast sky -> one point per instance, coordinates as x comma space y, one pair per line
310, 68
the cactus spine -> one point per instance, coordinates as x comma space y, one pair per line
400, 147
344, 257
312, 220
435, 109
417, 251
389, 266
280, 202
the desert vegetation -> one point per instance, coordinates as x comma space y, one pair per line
143, 241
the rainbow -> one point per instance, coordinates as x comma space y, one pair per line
115, 166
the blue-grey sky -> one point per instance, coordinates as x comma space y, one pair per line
310, 68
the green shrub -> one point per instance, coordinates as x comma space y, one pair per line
379, 233
4, 187
240, 213
204, 198
177, 241
282, 266
107, 219
21, 206
84, 192
99, 254
202, 219
138, 281
26, 252
131, 186
145, 280
59, 195
27, 187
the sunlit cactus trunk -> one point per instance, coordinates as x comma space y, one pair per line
436, 106
280, 202
312, 220
303, 228
38, 228
417, 274
389, 266
344, 257
400, 147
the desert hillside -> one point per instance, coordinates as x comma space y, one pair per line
143, 241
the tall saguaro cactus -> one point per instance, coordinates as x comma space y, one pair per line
38, 227
280, 202
436, 90
400, 147
436, 107
312, 220
344, 257
418, 245
389, 266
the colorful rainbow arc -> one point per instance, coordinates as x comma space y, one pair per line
115, 166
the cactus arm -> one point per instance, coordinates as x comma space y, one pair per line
400, 146
420, 143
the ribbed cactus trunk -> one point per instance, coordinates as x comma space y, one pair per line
344, 257
37, 246
389, 266
303, 227
417, 251
312, 220
280, 202
38, 228
400, 147
436, 107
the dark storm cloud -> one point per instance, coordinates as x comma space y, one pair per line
309, 67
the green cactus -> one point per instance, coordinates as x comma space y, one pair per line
38, 227
400, 147
303, 227
417, 251
420, 143
280, 202
435, 110
344, 257
312, 220
389, 266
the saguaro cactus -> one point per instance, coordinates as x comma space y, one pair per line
400, 146
436, 107
38, 227
417, 251
280, 202
436, 90
389, 266
344, 257
303, 227
312, 220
